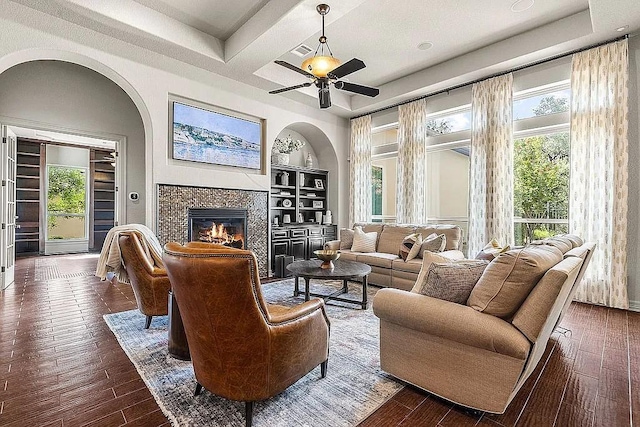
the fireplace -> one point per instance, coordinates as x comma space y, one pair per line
226, 227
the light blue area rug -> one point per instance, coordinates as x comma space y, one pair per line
353, 388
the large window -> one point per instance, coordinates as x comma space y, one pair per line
541, 163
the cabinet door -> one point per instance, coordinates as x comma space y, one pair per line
298, 249
315, 244
278, 248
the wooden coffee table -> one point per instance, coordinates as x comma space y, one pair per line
344, 270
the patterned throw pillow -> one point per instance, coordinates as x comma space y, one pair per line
433, 243
364, 242
428, 258
410, 247
492, 250
346, 238
452, 281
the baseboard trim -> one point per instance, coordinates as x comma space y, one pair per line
634, 305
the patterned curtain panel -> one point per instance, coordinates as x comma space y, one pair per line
599, 157
360, 171
491, 181
412, 157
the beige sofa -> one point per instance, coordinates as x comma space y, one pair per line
387, 268
470, 357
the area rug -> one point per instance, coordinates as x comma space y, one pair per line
353, 388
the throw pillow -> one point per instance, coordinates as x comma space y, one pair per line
509, 278
428, 258
410, 247
452, 281
492, 250
364, 242
434, 243
346, 238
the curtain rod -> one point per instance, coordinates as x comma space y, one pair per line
513, 70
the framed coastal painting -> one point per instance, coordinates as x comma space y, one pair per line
208, 134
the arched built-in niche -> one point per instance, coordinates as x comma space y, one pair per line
35, 97
323, 154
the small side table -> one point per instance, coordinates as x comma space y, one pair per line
343, 270
178, 345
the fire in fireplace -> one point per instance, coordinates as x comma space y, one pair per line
226, 227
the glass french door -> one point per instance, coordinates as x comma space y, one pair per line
8, 208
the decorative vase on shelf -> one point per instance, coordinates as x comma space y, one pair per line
309, 162
280, 158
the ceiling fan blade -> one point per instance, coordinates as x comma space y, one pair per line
285, 89
294, 68
359, 89
324, 96
347, 68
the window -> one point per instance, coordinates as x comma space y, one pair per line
541, 163
450, 122
376, 189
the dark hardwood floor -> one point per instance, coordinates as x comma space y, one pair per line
60, 365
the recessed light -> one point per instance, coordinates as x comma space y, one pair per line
521, 5
621, 29
425, 45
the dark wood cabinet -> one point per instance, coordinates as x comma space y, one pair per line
299, 249
315, 244
300, 240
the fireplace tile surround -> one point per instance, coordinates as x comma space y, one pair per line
174, 202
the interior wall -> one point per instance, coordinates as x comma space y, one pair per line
151, 86
73, 97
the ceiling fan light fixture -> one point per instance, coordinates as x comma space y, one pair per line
320, 65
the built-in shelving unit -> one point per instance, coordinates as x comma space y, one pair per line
28, 197
103, 191
307, 193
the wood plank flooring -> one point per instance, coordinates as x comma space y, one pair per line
60, 365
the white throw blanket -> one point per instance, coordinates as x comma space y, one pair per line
111, 258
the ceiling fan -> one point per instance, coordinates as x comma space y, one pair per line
324, 70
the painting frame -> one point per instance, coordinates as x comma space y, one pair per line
211, 135
319, 184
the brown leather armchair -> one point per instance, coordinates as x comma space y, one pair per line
150, 283
242, 348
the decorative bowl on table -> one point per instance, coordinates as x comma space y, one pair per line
327, 257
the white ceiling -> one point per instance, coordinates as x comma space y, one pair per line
240, 39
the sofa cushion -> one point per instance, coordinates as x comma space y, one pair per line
410, 247
364, 242
492, 250
535, 310
575, 240
378, 259
508, 279
346, 238
563, 244
451, 281
434, 243
453, 233
391, 238
348, 255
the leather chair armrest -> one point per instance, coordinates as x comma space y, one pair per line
333, 245
158, 271
451, 321
279, 315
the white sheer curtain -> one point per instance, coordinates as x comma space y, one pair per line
360, 170
412, 158
491, 180
599, 157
